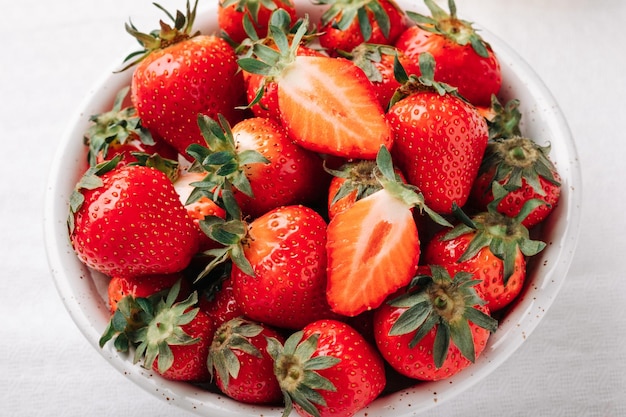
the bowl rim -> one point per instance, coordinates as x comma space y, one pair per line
76, 285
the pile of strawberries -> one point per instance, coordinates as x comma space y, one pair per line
302, 212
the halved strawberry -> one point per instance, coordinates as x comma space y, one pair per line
373, 247
328, 105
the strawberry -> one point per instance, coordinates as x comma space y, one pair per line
144, 286
464, 60
377, 61
436, 327
241, 364
327, 105
119, 132
218, 300
234, 15
346, 24
373, 246
181, 74
198, 206
439, 139
520, 165
327, 369
267, 169
267, 105
286, 248
128, 221
171, 337
491, 246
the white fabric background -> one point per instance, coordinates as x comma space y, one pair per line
52, 52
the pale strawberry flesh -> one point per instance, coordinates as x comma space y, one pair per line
329, 106
373, 249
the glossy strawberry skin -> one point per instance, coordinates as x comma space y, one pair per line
190, 360
230, 20
484, 265
513, 202
144, 286
134, 224
359, 377
286, 248
292, 176
477, 78
171, 86
255, 382
418, 363
439, 142
335, 39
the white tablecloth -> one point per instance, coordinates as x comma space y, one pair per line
52, 52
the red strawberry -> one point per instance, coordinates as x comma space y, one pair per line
327, 369
180, 75
436, 328
373, 246
119, 132
234, 15
218, 301
377, 61
346, 24
520, 165
439, 140
327, 105
352, 182
266, 168
144, 286
129, 221
171, 337
464, 60
199, 206
240, 363
267, 106
491, 246
286, 250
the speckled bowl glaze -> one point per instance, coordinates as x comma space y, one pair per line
84, 292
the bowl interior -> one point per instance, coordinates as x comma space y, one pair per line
84, 292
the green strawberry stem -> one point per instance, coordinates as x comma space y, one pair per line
503, 235
166, 36
410, 195
164, 329
450, 26
343, 13
448, 303
232, 335
117, 124
296, 371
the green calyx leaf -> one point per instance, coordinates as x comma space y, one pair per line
505, 122
517, 159
449, 25
411, 83
220, 159
505, 237
447, 304
408, 194
165, 36
296, 369
167, 166
89, 181
153, 341
233, 336
118, 125
341, 14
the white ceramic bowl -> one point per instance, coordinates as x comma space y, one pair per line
84, 292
